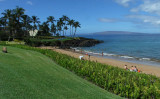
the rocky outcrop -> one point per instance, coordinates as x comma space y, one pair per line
77, 42
82, 42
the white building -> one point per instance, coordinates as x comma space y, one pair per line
33, 32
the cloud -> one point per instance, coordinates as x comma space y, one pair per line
123, 2
107, 20
29, 2
149, 6
144, 19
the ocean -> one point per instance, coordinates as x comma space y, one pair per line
139, 48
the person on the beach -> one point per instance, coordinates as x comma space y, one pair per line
139, 70
81, 57
135, 69
132, 68
125, 67
89, 57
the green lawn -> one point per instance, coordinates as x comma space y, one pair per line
27, 74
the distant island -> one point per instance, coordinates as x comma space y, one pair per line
116, 32
119, 33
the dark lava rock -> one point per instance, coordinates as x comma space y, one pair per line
82, 42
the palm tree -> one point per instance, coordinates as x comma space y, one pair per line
70, 23
14, 25
51, 19
76, 25
26, 20
59, 27
65, 28
7, 20
53, 29
6, 17
19, 12
60, 24
3, 22
44, 27
7, 14
65, 19
0, 22
35, 20
16, 18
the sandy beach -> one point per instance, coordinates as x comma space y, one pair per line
148, 69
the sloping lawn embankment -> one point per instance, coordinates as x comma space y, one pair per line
28, 74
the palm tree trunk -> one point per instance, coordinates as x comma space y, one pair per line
70, 30
14, 34
63, 32
26, 31
5, 28
9, 36
34, 26
75, 32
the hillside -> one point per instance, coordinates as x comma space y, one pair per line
29, 74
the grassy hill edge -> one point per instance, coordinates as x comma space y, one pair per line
29, 74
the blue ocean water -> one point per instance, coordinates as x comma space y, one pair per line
135, 48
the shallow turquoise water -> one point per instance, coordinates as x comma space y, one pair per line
144, 48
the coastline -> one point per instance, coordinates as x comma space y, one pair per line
148, 69
125, 58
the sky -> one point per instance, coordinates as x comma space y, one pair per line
96, 15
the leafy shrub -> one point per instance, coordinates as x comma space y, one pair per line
49, 37
13, 42
16, 40
35, 42
2, 42
3, 36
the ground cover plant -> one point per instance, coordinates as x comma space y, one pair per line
26, 74
123, 83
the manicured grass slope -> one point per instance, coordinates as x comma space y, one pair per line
29, 74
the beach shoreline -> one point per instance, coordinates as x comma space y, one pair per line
148, 69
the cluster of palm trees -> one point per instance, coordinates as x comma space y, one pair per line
60, 26
16, 23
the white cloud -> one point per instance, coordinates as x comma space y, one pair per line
123, 2
107, 20
149, 6
141, 19
29, 2
135, 19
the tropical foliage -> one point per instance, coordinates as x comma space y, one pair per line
16, 24
121, 82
